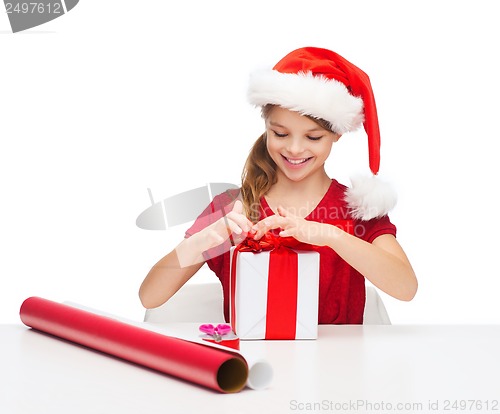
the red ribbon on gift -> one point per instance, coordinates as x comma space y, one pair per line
281, 315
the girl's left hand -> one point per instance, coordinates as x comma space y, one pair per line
303, 230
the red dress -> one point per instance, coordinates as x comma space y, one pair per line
341, 287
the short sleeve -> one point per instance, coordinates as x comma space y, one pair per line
371, 229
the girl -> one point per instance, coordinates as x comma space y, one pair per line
309, 99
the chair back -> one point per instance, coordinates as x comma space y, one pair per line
203, 302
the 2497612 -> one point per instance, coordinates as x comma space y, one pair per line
471, 405
34, 8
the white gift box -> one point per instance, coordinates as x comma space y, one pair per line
251, 294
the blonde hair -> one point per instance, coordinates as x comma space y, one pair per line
259, 172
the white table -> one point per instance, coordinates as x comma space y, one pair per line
348, 369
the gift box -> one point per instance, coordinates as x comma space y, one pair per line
274, 290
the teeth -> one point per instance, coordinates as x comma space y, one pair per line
296, 162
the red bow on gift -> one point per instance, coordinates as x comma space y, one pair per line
269, 241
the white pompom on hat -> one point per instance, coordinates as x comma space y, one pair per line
322, 84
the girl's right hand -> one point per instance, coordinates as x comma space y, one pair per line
235, 222
194, 249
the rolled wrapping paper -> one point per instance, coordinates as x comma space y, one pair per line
260, 372
219, 369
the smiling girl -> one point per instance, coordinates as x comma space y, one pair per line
309, 100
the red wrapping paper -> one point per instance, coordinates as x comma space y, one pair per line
221, 370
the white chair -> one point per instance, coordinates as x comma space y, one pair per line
375, 312
193, 302
202, 302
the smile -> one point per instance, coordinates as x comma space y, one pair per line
296, 161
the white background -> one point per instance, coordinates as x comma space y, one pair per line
118, 96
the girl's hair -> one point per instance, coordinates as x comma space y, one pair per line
259, 172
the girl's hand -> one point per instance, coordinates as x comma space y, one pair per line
305, 231
234, 222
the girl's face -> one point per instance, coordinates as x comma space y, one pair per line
297, 144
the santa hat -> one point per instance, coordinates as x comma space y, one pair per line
322, 84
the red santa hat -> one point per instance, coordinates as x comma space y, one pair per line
322, 84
